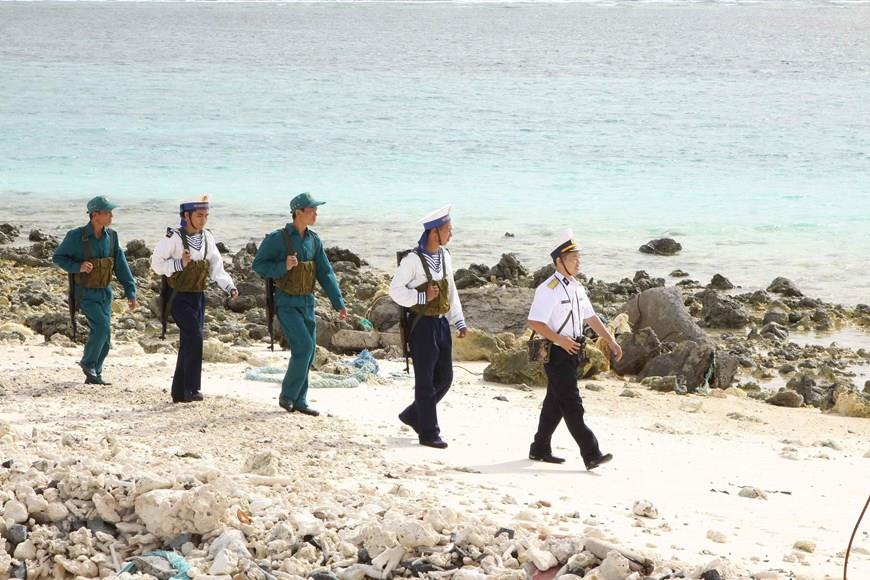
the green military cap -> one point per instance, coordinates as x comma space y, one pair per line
100, 203
304, 200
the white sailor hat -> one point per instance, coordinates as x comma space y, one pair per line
437, 218
565, 245
195, 204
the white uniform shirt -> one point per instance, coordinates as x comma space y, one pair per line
166, 259
410, 274
555, 299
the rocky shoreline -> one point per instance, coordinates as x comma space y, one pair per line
78, 506
703, 335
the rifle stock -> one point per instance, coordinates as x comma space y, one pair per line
71, 300
270, 311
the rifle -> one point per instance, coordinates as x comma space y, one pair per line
270, 311
73, 306
164, 305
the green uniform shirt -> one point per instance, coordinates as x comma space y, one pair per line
70, 254
271, 262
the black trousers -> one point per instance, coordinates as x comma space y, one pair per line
432, 354
188, 311
563, 402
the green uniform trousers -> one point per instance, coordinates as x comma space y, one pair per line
98, 310
300, 329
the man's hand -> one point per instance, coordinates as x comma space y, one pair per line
133, 303
292, 262
432, 292
342, 314
463, 333
234, 293
86, 267
185, 258
616, 350
568, 344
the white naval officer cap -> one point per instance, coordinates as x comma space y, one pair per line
565, 244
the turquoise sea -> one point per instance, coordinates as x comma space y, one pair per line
742, 129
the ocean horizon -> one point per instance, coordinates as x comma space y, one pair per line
740, 129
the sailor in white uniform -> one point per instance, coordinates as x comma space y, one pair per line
424, 284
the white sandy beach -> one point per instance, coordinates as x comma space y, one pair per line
687, 455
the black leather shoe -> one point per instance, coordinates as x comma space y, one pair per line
437, 443
197, 396
534, 455
600, 460
180, 400
286, 406
308, 411
91, 377
101, 381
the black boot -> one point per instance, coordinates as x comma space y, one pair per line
548, 457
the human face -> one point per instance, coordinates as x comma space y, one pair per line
445, 232
571, 263
307, 216
196, 220
101, 219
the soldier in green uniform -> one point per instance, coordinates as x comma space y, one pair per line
92, 253
294, 257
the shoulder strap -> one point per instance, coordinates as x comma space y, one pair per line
87, 244
425, 264
288, 242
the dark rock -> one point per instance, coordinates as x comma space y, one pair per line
243, 259
222, 248
417, 568
43, 250
777, 315
508, 235
179, 540
97, 525
725, 369
5, 239
664, 384
662, 310
786, 398
497, 309
510, 533
661, 247
336, 254
155, 566
251, 248
465, 278
16, 533
500, 398
141, 267
9, 230
786, 368
822, 319
637, 350
642, 281
50, 324
38, 236
322, 575
384, 314
758, 298
137, 249
19, 572
678, 274
722, 311
242, 303
711, 575
363, 557
509, 268
785, 287
867, 387
774, 331
542, 274
720, 282
689, 361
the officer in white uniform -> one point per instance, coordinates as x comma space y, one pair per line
189, 258
424, 284
558, 312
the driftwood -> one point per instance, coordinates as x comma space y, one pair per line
636, 562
